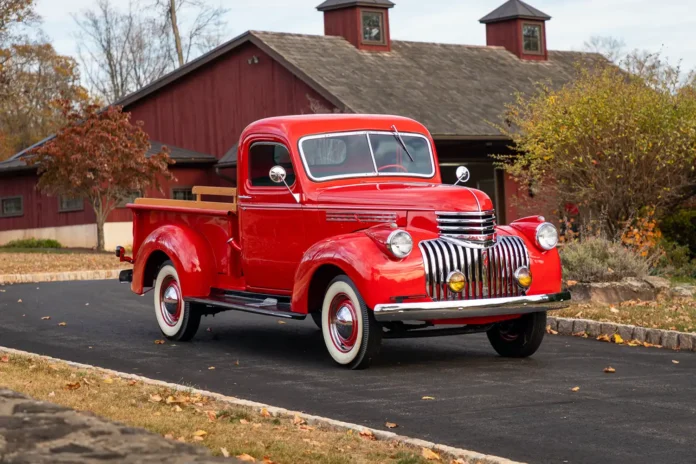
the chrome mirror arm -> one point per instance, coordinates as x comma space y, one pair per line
462, 174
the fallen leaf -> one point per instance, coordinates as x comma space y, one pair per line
634, 343
267, 460
209, 329
297, 420
575, 389
256, 426
614, 310
549, 330
46, 318
306, 428
198, 438
580, 334
169, 436
62, 324
430, 455
368, 435
265, 413
212, 416
177, 408
155, 398
86, 304
108, 380
390, 425
171, 400
609, 370
19, 301
648, 345
236, 363
52, 394
132, 383
5, 359
617, 339
211, 368
571, 283
159, 342
72, 386
675, 361
604, 338
428, 398
246, 458
181, 439
200, 433
224, 452
243, 421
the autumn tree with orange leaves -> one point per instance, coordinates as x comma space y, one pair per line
101, 156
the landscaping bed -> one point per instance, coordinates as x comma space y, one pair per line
31, 261
251, 435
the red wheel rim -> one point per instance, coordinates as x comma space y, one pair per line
171, 304
343, 323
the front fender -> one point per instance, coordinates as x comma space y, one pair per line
188, 250
379, 278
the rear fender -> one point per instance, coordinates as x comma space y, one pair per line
379, 277
187, 249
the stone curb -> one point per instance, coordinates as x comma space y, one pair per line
275, 411
58, 276
670, 339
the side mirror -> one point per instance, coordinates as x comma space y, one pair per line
462, 174
278, 175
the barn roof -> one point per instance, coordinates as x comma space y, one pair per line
336, 4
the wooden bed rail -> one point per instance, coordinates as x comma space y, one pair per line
197, 203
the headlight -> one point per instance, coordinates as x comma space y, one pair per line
547, 236
400, 243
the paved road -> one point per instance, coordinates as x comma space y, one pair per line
520, 409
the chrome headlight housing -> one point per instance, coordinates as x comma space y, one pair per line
400, 243
546, 236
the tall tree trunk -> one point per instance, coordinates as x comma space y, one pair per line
100, 234
175, 31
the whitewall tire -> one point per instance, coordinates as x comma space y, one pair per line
351, 334
177, 319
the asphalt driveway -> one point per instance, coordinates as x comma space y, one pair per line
520, 409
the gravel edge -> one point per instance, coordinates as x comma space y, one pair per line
670, 339
58, 276
276, 411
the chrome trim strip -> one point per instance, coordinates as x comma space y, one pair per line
470, 308
470, 213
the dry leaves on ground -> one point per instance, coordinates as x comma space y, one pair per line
29, 263
391, 425
430, 455
246, 458
428, 398
159, 342
368, 435
609, 370
549, 330
575, 389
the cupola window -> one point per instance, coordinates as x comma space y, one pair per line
531, 38
373, 27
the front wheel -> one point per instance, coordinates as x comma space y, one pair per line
351, 333
518, 338
178, 320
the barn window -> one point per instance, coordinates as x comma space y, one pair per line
67, 204
531, 38
262, 157
183, 193
11, 207
129, 198
373, 27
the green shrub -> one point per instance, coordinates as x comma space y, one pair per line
33, 243
675, 260
680, 227
600, 260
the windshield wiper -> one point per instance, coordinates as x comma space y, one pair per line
397, 136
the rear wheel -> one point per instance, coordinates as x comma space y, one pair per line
351, 333
178, 320
518, 338
316, 317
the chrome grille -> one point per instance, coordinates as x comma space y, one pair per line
473, 227
488, 272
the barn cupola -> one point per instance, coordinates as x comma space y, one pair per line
363, 23
518, 27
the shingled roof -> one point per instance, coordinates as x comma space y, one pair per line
336, 4
514, 9
455, 90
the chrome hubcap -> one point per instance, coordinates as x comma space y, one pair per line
170, 301
343, 323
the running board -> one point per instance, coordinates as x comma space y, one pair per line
264, 306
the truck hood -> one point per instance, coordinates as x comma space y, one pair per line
410, 196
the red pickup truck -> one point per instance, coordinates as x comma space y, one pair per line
344, 218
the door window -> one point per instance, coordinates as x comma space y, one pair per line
262, 157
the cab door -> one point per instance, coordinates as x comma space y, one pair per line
271, 220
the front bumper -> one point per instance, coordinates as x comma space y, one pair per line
440, 310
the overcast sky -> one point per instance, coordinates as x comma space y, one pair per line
667, 25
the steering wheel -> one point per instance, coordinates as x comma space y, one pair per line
395, 166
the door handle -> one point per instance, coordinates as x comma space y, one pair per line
244, 197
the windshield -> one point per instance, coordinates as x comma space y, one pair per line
363, 154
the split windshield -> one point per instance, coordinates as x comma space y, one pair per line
365, 154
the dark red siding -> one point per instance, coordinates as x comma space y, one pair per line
347, 23
508, 34
207, 110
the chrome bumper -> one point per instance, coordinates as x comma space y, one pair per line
470, 308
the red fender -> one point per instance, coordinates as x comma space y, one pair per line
379, 276
189, 251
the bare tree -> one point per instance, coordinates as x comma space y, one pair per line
611, 47
121, 51
195, 26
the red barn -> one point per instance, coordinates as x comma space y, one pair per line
200, 109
